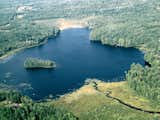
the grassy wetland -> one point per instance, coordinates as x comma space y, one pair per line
24, 24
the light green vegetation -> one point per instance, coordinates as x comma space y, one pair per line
127, 23
136, 26
89, 104
31, 63
18, 33
22, 35
86, 104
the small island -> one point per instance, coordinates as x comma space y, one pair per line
33, 63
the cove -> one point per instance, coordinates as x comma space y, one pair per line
76, 57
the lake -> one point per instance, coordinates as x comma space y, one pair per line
76, 57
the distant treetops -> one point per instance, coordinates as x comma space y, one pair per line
31, 63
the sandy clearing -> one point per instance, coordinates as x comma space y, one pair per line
63, 24
66, 24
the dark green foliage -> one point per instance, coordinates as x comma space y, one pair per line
38, 63
23, 35
136, 26
18, 107
34, 112
134, 23
130, 27
10, 96
145, 81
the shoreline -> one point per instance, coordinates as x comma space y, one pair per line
13, 52
62, 24
66, 24
10, 53
96, 87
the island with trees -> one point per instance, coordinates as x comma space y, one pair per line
125, 23
33, 63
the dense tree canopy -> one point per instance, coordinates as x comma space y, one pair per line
30, 63
133, 23
14, 106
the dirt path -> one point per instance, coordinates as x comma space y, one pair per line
108, 94
131, 106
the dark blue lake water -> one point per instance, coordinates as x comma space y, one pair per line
77, 59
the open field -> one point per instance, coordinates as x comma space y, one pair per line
87, 103
125, 23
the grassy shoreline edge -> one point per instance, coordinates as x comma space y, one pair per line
10, 53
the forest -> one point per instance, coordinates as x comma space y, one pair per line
14, 106
133, 23
17, 36
17, 33
31, 63
137, 27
